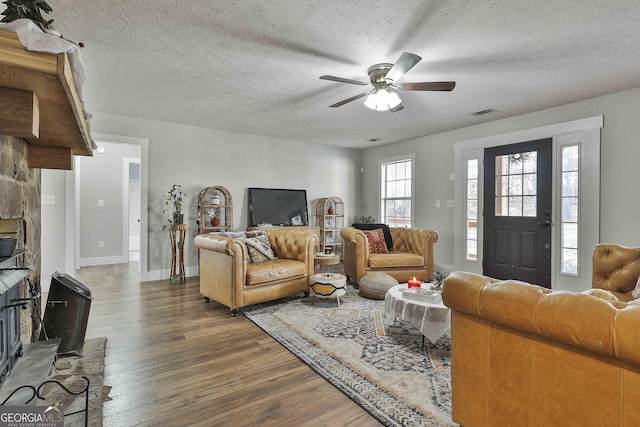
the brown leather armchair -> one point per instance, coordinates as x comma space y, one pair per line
616, 269
227, 276
411, 254
524, 355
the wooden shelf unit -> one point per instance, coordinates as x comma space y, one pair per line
39, 101
330, 224
206, 207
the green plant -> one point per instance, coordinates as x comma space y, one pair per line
438, 278
27, 9
214, 212
363, 219
173, 203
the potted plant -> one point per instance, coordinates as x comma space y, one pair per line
363, 220
173, 203
438, 278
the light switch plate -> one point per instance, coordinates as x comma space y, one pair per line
451, 203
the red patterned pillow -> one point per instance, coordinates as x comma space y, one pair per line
375, 238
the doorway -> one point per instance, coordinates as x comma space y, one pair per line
103, 200
581, 136
518, 211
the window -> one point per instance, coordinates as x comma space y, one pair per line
472, 210
516, 185
569, 235
396, 190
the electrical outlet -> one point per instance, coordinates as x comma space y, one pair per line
437, 203
101, 243
48, 200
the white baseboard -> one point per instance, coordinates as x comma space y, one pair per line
88, 262
164, 274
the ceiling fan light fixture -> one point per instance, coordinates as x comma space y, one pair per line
382, 100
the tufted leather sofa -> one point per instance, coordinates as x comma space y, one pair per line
227, 276
523, 355
411, 255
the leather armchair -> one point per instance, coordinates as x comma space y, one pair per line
616, 269
411, 255
227, 276
525, 355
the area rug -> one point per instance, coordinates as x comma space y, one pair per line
382, 367
69, 370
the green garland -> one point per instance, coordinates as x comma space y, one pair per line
29, 9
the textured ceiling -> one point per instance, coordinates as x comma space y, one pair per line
253, 66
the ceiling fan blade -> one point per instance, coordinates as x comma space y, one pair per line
396, 108
343, 80
403, 64
441, 86
345, 101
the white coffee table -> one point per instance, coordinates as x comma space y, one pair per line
434, 320
327, 285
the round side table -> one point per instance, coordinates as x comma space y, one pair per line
321, 259
327, 285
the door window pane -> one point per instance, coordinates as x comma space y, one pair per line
516, 184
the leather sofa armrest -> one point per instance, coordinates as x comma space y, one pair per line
226, 245
356, 252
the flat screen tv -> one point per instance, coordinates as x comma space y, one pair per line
277, 207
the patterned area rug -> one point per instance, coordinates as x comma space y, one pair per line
69, 370
381, 367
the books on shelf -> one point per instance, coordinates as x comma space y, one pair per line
423, 295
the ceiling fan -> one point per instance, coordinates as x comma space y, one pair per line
383, 78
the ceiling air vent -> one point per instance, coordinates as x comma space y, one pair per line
483, 112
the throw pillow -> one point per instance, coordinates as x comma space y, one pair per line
375, 239
385, 229
259, 249
636, 292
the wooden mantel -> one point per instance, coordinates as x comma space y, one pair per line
39, 102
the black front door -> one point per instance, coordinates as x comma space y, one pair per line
517, 212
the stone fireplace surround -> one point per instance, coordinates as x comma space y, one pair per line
20, 191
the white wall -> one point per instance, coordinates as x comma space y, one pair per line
197, 158
101, 179
620, 147
53, 232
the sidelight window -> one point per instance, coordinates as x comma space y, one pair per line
472, 210
569, 235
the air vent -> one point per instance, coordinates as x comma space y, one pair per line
483, 112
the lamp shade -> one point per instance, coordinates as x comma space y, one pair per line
382, 100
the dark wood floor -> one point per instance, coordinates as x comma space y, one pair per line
174, 360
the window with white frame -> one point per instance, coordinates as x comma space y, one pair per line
471, 222
570, 198
396, 191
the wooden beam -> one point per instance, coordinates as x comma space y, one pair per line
45, 157
19, 113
